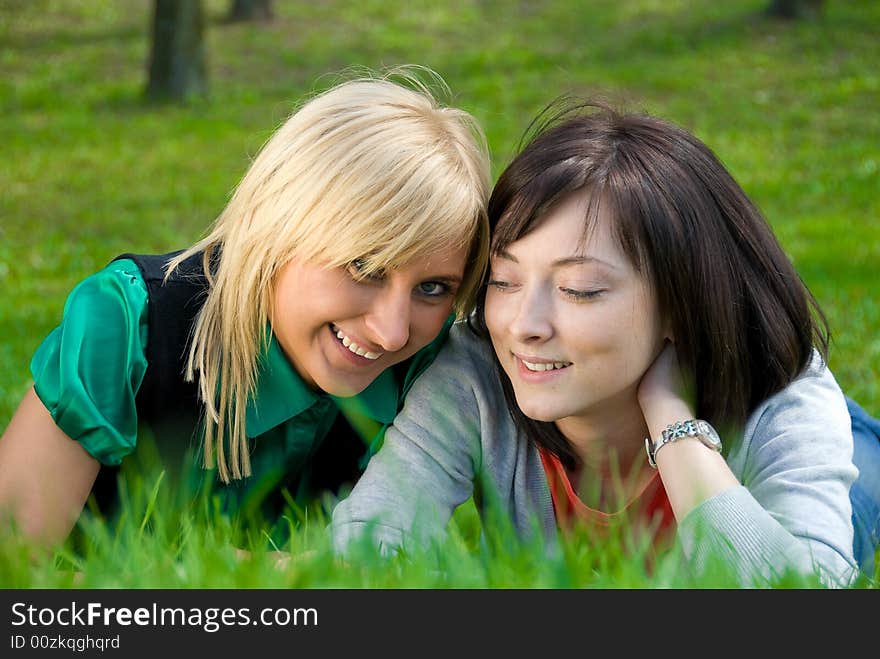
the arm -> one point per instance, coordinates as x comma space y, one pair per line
426, 466
690, 473
797, 470
86, 375
45, 477
780, 502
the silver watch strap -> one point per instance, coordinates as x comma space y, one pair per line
672, 433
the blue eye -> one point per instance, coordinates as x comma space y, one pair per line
433, 288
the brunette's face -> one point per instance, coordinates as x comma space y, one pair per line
574, 325
340, 330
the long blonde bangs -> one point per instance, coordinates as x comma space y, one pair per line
375, 169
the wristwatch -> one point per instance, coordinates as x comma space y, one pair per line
696, 428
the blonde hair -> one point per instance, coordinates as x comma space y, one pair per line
374, 168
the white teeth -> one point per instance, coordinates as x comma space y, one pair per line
355, 348
549, 366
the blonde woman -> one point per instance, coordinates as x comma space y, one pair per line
277, 348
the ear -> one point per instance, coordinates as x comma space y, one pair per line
667, 332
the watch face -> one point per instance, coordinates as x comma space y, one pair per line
712, 438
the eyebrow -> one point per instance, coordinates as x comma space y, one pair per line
444, 279
560, 263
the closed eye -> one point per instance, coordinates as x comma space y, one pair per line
579, 295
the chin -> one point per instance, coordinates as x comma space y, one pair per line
538, 410
342, 388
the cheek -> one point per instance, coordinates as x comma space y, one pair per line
289, 297
637, 342
498, 316
426, 322
293, 311
496, 312
603, 339
285, 301
648, 326
325, 299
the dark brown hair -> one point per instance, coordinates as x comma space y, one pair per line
739, 312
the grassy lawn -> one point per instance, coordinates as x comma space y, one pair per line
89, 171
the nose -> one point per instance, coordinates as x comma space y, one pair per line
532, 315
388, 319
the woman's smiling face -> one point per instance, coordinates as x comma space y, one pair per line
574, 325
340, 330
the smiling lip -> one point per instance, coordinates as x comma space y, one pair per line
349, 356
539, 369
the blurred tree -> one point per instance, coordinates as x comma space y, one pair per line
177, 60
795, 8
250, 10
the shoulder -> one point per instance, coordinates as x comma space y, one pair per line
465, 348
153, 267
468, 360
118, 287
105, 314
808, 419
106, 311
174, 300
463, 373
812, 397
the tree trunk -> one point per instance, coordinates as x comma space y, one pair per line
177, 61
793, 9
250, 10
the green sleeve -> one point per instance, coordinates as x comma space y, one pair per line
89, 369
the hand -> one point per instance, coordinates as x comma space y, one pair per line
665, 393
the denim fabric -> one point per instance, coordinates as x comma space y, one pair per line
865, 492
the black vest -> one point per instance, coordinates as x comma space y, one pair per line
165, 401
169, 405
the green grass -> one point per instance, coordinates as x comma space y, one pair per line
160, 541
89, 171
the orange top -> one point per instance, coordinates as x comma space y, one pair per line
653, 505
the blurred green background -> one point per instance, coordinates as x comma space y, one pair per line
90, 170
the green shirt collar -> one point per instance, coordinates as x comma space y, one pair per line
282, 395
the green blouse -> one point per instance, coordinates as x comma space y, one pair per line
88, 370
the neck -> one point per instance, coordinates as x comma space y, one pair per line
609, 439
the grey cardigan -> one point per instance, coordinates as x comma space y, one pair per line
794, 460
